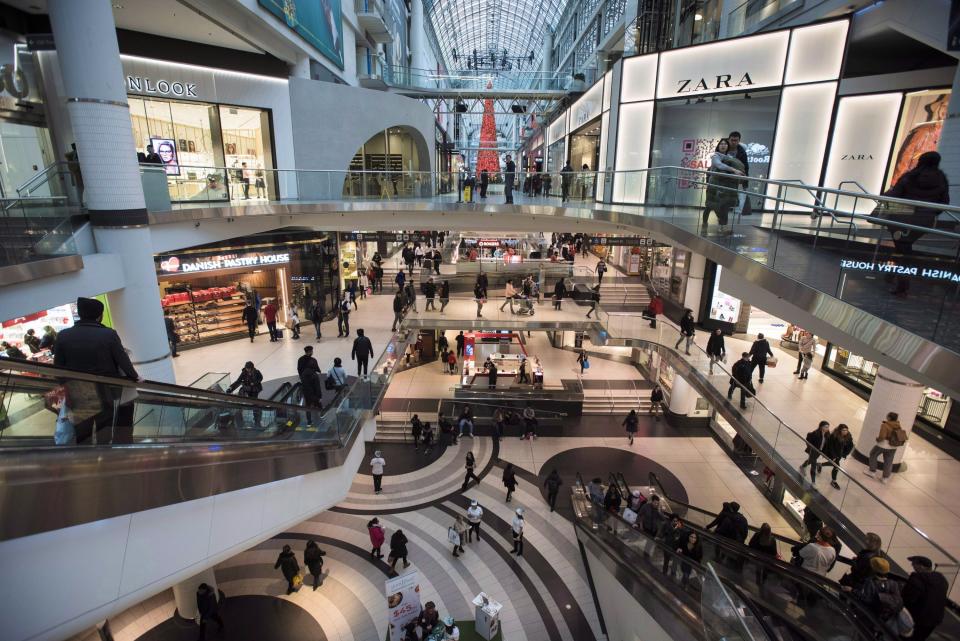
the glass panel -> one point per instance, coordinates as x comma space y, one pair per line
247, 151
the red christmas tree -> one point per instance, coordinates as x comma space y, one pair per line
487, 158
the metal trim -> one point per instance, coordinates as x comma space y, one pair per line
34, 270
101, 101
902, 383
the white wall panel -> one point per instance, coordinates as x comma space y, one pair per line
587, 107
639, 80
602, 166
557, 129
237, 516
862, 135
607, 89
633, 151
801, 138
816, 52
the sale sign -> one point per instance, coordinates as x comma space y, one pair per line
403, 602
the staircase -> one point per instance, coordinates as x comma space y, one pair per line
615, 401
394, 427
620, 293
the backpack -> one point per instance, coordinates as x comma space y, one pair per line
897, 437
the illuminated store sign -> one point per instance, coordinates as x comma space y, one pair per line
137, 84
587, 107
174, 265
891, 267
742, 64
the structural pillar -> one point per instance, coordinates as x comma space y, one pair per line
185, 593
694, 292
892, 392
95, 91
683, 398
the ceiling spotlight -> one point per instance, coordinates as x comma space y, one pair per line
699, 100
697, 17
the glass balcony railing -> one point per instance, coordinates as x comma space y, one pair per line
35, 228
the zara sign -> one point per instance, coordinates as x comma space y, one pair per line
140, 85
734, 65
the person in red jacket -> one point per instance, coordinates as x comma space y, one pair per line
655, 308
270, 314
377, 537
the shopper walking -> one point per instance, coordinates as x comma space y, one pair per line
317, 312
630, 424
742, 375
470, 465
208, 609
516, 527
480, 299
806, 345
430, 293
474, 518
398, 550
410, 297
444, 295
343, 317
925, 597
566, 179
509, 480
398, 307
716, 350
416, 429
553, 483
313, 559
837, 446
508, 178
656, 401
377, 463
759, 353
250, 317
687, 330
172, 336
270, 315
459, 341
559, 293
655, 309
721, 193
456, 533
594, 300
815, 442
583, 361
377, 537
890, 437
308, 369
288, 566
362, 352
601, 269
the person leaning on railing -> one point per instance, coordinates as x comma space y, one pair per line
925, 182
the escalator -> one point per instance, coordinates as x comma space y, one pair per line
788, 604
696, 518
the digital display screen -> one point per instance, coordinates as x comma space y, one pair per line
166, 148
723, 307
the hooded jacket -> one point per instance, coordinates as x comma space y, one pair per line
886, 429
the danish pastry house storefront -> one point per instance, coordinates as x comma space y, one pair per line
208, 125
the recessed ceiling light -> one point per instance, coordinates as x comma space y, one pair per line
117, 5
697, 17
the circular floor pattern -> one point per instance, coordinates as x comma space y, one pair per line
592, 462
247, 618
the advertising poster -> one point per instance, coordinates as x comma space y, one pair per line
166, 148
319, 22
403, 602
918, 131
723, 307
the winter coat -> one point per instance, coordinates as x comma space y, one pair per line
287, 562
715, 346
377, 537
398, 545
510, 479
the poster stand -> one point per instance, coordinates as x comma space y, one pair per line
487, 618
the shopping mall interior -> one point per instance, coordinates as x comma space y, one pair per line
646, 314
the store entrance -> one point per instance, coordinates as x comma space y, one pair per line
24, 150
585, 158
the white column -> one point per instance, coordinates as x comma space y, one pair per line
185, 592
95, 91
683, 398
949, 146
694, 292
892, 392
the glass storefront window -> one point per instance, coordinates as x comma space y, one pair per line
687, 132
204, 138
393, 152
556, 157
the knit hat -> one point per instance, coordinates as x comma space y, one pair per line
89, 308
879, 565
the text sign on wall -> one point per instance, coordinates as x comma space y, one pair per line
174, 264
743, 64
587, 107
622, 241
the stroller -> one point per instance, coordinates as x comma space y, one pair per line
523, 307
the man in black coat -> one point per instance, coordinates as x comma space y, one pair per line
460, 338
208, 608
566, 179
925, 597
508, 177
743, 374
362, 352
399, 304
308, 369
430, 292
92, 348
759, 352
815, 440
250, 317
734, 525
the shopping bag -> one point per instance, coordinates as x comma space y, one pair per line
772, 361
64, 434
297, 582
586, 363
453, 536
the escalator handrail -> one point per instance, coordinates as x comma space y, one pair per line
281, 392
810, 580
167, 389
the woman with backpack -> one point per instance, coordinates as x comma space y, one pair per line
891, 436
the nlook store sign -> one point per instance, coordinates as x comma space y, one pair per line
743, 64
176, 265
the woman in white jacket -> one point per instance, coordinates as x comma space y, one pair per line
721, 191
